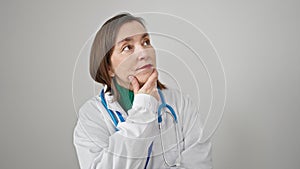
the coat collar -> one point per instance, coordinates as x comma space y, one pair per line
113, 104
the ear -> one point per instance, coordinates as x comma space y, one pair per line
111, 72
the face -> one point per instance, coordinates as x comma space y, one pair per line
133, 55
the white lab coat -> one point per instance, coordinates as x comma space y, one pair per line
100, 146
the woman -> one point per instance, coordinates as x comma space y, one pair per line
122, 127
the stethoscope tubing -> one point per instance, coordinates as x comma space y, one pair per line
162, 106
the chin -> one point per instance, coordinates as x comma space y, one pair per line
143, 78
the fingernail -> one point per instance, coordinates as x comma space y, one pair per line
130, 78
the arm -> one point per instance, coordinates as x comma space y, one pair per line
97, 148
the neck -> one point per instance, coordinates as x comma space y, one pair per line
126, 96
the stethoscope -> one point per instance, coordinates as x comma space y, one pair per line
162, 106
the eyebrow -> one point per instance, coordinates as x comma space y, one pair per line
127, 39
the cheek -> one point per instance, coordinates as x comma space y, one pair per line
114, 63
125, 63
117, 63
152, 55
123, 68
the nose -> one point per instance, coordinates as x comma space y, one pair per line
141, 52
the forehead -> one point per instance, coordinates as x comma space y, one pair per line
130, 29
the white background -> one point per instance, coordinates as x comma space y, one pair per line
258, 42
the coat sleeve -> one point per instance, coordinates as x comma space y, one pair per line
127, 148
196, 153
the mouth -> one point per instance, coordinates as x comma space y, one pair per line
147, 66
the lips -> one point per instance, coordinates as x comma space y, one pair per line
145, 66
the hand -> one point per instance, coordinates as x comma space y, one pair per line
150, 86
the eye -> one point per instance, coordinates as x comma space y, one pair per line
126, 48
146, 42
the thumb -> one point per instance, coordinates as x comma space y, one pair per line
135, 84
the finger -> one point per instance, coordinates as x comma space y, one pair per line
151, 82
135, 84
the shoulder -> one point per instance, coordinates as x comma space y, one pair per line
90, 109
91, 124
176, 97
93, 115
179, 100
182, 102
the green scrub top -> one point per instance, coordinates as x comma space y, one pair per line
126, 97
